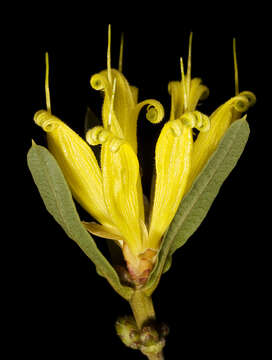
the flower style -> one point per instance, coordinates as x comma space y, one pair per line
112, 192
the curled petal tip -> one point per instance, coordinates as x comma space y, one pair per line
115, 144
93, 136
99, 135
250, 97
202, 122
38, 116
153, 114
97, 82
46, 120
196, 119
244, 100
188, 119
154, 111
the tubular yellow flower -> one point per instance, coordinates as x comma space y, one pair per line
220, 120
126, 108
197, 92
185, 94
112, 192
78, 164
174, 150
76, 159
120, 173
123, 196
173, 163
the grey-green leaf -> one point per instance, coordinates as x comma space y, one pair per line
58, 200
197, 202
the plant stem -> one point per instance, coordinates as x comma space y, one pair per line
142, 308
143, 311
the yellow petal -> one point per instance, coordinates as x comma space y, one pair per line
135, 93
98, 135
173, 159
77, 163
154, 113
125, 110
121, 186
220, 121
197, 92
103, 231
120, 178
124, 102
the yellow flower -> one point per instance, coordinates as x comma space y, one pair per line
112, 192
122, 118
78, 164
173, 164
220, 120
185, 94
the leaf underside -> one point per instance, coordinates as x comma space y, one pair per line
196, 204
58, 200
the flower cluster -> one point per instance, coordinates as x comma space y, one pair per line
110, 190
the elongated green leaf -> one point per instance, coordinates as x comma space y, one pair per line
199, 199
59, 203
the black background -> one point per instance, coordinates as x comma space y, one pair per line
212, 296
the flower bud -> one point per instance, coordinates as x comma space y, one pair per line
149, 336
155, 348
127, 330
